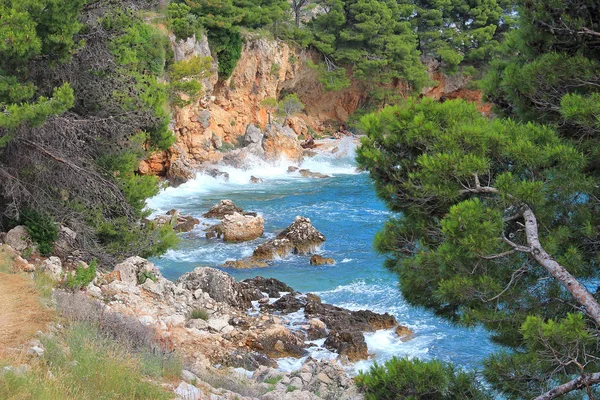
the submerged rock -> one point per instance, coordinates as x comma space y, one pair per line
306, 173
320, 260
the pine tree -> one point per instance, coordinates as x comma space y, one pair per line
497, 227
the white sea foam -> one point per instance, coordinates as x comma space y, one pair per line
272, 173
346, 260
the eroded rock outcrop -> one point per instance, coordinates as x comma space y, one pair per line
238, 228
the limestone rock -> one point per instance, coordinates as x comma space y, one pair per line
186, 391
66, 242
185, 223
253, 135
298, 238
220, 286
281, 142
53, 268
18, 238
277, 342
131, 268
404, 332
223, 208
316, 330
180, 172
320, 260
271, 286
254, 179
241, 228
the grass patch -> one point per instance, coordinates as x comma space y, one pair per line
84, 363
199, 313
273, 380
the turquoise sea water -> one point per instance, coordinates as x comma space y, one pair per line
346, 210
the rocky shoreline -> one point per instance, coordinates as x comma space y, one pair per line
233, 330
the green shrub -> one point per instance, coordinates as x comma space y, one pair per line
273, 380
182, 22
82, 277
42, 229
143, 276
199, 313
401, 378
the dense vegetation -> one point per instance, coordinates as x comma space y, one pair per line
82, 100
499, 217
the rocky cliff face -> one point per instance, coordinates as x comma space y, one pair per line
267, 68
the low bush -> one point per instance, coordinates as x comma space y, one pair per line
401, 378
82, 277
199, 313
42, 229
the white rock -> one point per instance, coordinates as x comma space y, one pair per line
186, 391
18, 238
147, 320
53, 268
188, 376
218, 323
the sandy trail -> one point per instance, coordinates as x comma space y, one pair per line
21, 312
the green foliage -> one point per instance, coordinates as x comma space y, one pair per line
374, 37
459, 180
82, 277
185, 76
42, 229
553, 54
289, 106
121, 238
199, 313
460, 30
143, 276
401, 378
182, 22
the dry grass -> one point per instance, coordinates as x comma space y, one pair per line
22, 313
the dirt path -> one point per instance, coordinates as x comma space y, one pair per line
21, 313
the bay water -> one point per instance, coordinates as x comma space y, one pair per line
346, 210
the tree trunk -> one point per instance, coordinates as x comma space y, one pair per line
573, 286
580, 382
297, 14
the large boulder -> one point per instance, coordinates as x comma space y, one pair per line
298, 238
276, 342
132, 269
271, 286
281, 142
220, 286
66, 242
180, 172
253, 135
223, 208
18, 238
350, 344
240, 228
